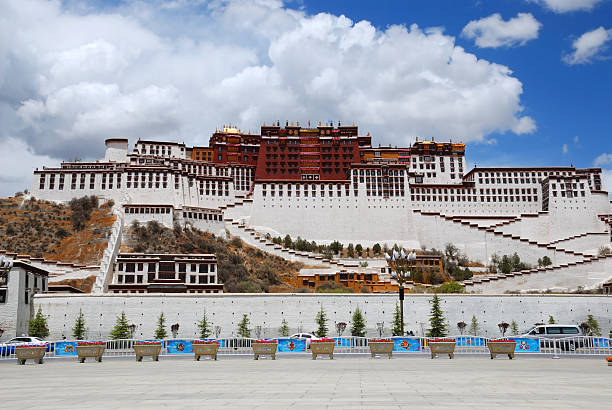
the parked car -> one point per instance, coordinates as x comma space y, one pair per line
8, 347
566, 337
307, 336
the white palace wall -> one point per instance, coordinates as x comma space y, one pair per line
268, 310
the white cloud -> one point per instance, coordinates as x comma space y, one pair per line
606, 176
18, 163
494, 32
603, 159
178, 69
564, 6
576, 139
589, 46
564, 148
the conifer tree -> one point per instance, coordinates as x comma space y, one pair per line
38, 325
474, 327
397, 322
284, 329
204, 326
436, 319
514, 330
160, 332
358, 324
321, 321
243, 327
551, 320
121, 329
78, 331
594, 329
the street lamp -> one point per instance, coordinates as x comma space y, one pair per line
399, 262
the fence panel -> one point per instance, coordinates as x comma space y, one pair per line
568, 346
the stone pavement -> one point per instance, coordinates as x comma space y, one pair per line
347, 382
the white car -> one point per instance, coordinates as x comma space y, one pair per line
307, 336
8, 347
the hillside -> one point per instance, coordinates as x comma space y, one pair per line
68, 233
242, 268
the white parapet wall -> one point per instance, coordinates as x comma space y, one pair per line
268, 311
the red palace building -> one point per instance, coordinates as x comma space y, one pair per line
297, 153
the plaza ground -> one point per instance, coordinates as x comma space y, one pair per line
347, 382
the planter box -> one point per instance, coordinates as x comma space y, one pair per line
442, 348
95, 351
34, 353
381, 348
318, 348
264, 349
205, 349
502, 348
152, 350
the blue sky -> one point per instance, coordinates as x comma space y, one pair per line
528, 87
565, 100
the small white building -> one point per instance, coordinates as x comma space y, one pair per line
18, 284
165, 273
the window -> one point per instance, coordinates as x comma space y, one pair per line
569, 330
3, 295
553, 330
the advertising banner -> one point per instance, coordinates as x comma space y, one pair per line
601, 342
407, 344
344, 341
291, 345
65, 348
471, 341
179, 347
526, 345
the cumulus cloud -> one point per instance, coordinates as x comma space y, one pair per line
564, 148
18, 162
494, 32
589, 46
603, 159
177, 69
564, 6
605, 162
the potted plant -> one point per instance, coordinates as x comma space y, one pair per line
264, 347
322, 346
205, 348
90, 349
381, 346
442, 346
502, 346
34, 352
143, 349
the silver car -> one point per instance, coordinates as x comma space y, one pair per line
567, 337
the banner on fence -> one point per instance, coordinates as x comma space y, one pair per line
344, 341
601, 342
471, 341
65, 348
406, 344
526, 345
291, 345
179, 347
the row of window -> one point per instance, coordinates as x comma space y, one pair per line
468, 198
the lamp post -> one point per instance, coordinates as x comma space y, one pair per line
400, 271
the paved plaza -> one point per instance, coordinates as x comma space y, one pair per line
347, 382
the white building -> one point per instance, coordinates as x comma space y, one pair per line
423, 196
17, 287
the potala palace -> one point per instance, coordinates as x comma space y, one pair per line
329, 183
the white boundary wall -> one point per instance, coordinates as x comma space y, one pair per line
268, 310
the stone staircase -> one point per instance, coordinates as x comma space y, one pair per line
110, 253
